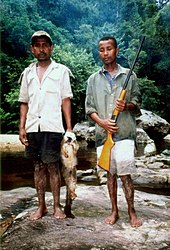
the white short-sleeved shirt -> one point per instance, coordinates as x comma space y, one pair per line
45, 99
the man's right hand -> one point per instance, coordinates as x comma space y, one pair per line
23, 136
109, 125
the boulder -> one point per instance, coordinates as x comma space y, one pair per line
147, 122
84, 131
167, 138
153, 124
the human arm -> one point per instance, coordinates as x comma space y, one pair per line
23, 116
66, 108
108, 124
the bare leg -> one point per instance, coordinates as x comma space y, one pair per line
128, 189
55, 183
40, 184
112, 188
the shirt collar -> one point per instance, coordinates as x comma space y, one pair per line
120, 70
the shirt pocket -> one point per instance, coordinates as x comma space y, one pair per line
53, 92
53, 82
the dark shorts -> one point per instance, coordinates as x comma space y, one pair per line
44, 146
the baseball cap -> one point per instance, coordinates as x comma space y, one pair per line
40, 33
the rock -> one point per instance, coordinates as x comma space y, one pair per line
148, 121
10, 143
147, 124
153, 123
150, 148
141, 136
91, 178
82, 173
155, 165
166, 152
167, 138
151, 170
88, 230
84, 131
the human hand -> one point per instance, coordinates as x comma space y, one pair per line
109, 125
69, 136
23, 136
120, 105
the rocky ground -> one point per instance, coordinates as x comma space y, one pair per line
87, 230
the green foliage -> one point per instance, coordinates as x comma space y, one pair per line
9, 113
82, 65
150, 95
76, 27
10, 117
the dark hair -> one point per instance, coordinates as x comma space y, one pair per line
105, 38
34, 39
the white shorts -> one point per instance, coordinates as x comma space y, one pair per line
122, 157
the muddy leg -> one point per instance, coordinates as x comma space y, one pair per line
128, 189
55, 183
40, 184
112, 188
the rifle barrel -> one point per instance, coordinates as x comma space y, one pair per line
134, 62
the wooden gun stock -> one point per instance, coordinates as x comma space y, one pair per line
104, 160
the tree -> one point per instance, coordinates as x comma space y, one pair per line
82, 65
76, 27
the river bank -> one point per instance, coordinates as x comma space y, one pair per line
88, 230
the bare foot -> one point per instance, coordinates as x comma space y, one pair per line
38, 214
134, 221
58, 214
112, 218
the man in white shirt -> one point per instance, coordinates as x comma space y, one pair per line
44, 94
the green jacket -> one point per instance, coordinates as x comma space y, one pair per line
101, 98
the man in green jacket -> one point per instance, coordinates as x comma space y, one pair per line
102, 97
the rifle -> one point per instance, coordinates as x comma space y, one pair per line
104, 160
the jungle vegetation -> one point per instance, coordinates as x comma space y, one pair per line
76, 27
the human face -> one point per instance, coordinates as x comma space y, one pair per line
108, 51
41, 49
